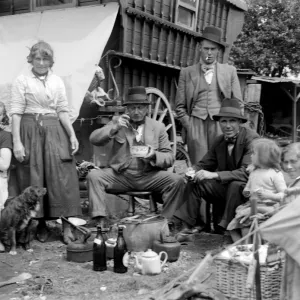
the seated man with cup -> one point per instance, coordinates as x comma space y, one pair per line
221, 175
140, 155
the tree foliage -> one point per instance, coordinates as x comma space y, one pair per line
269, 43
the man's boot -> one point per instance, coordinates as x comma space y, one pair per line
42, 231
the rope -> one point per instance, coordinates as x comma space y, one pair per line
91, 120
256, 107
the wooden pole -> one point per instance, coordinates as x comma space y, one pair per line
294, 98
295, 115
255, 249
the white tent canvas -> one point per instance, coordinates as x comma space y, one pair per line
77, 35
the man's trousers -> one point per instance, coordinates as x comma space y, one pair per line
169, 185
224, 197
201, 134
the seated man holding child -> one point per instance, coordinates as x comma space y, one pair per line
220, 176
130, 170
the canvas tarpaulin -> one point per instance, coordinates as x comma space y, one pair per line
283, 229
77, 35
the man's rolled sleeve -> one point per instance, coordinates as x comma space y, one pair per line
18, 103
61, 98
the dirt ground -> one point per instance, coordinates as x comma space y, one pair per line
53, 277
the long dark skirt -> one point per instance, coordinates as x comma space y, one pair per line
49, 163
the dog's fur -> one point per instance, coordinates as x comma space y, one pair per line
16, 217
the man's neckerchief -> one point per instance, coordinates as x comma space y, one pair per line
135, 125
231, 140
205, 67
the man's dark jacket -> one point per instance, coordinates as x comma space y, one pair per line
215, 158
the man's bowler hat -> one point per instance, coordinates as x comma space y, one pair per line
137, 95
230, 108
213, 34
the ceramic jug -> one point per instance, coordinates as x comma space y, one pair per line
150, 262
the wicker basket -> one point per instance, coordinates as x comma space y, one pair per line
231, 277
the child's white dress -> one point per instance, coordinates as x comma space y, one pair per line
260, 179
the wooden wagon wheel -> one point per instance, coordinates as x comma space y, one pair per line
160, 110
182, 154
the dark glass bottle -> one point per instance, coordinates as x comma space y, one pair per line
99, 252
119, 252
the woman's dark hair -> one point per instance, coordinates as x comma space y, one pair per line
5, 120
42, 48
268, 153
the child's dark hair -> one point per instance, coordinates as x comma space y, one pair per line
5, 120
268, 153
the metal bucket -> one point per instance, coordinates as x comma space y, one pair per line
139, 235
80, 252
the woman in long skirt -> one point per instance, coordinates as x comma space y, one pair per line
44, 140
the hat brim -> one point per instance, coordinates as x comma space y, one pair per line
212, 40
136, 102
229, 115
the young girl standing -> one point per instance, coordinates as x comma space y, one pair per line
265, 186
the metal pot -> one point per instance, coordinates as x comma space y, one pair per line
80, 252
168, 244
140, 234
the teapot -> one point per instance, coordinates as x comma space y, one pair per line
150, 262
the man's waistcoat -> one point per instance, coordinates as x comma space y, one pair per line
208, 102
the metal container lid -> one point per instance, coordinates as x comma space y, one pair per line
74, 247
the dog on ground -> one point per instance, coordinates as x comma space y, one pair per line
16, 217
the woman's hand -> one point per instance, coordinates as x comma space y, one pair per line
292, 191
19, 151
3, 127
250, 168
74, 144
264, 195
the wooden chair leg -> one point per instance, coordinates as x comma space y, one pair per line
153, 205
131, 207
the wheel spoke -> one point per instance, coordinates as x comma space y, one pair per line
150, 106
169, 126
161, 109
156, 108
163, 115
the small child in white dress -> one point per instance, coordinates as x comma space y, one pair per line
266, 185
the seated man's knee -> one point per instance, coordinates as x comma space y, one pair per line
237, 186
176, 179
94, 174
